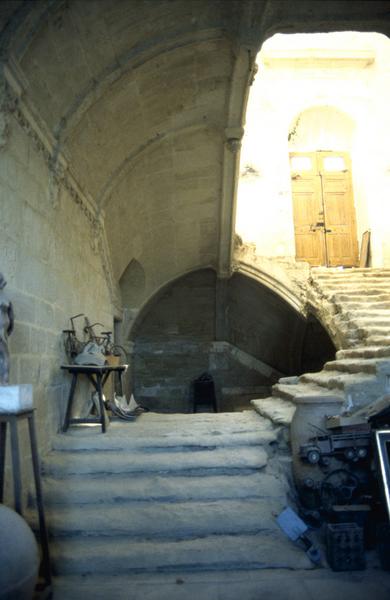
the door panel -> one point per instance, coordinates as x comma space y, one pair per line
307, 208
339, 210
324, 214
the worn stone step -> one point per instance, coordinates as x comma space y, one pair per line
353, 292
374, 332
64, 464
159, 520
329, 272
358, 279
382, 285
375, 320
140, 440
228, 584
336, 380
121, 556
278, 410
331, 292
366, 352
362, 304
380, 340
311, 389
356, 365
367, 314
115, 489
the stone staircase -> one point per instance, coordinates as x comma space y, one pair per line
354, 305
194, 493
165, 493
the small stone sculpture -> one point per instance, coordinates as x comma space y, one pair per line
6, 327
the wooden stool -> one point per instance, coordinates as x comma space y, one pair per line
12, 419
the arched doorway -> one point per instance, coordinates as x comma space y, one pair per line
316, 93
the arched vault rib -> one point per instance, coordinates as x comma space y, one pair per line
106, 194
283, 289
129, 61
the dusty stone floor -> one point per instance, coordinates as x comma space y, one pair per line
319, 584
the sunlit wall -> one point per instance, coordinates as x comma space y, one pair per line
316, 92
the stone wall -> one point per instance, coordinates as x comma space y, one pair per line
54, 270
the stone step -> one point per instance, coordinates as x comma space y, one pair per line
380, 340
355, 365
140, 440
372, 279
303, 389
366, 352
373, 332
163, 520
334, 380
363, 303
327, 272
374, 320
278, 410
353, 293
228, 584
120, 556
116, 489
367, 314
218, 460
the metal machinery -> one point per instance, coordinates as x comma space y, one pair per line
353, 453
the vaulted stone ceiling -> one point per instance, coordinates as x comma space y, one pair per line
141, 96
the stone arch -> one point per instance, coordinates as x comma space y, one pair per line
240, 330
321, 127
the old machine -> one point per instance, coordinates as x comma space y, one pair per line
349, 492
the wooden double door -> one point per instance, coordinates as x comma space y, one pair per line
324, 212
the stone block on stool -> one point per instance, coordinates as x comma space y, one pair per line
16, 398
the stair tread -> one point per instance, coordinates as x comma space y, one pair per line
224, 551
365, 352
356, 365
87, 462
117, 488
172, 520
302, 389
280, 411
136, 438
324, 377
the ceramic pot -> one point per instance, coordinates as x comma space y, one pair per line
19, 557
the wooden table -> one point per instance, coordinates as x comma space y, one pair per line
98, 377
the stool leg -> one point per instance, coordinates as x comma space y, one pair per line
3, 439
16, 465
38, 491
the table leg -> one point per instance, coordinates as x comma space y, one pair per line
16, 465
103, 415
70, 402
120, 383
38, 490
3, 439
